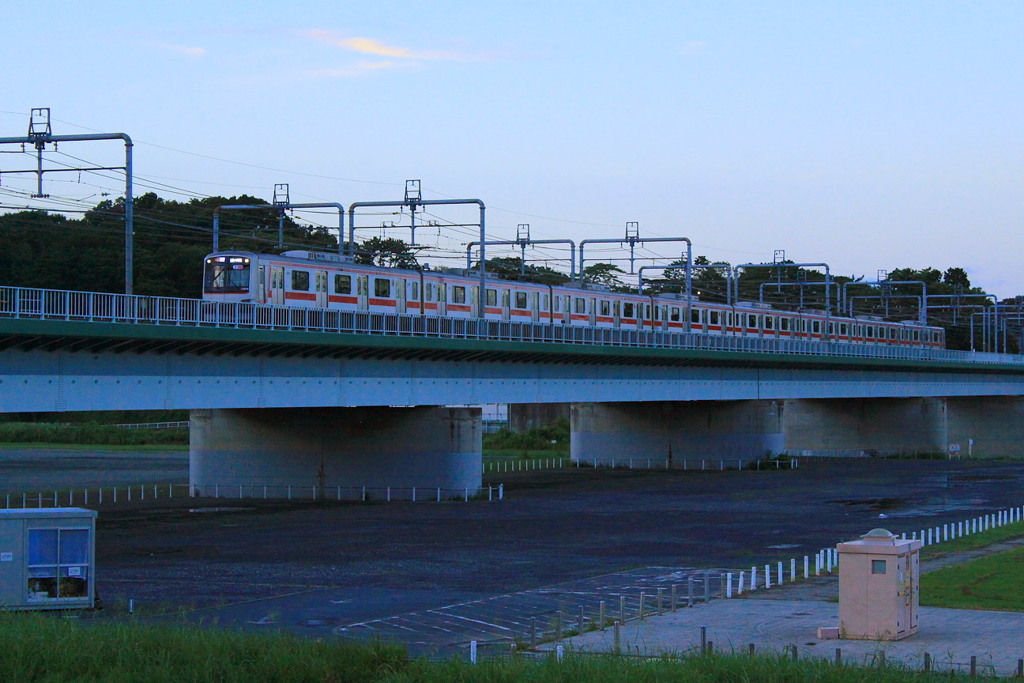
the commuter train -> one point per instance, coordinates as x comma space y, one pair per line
323, 280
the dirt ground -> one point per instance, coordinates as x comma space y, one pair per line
376, 560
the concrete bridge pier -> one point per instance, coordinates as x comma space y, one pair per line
425, 447
847, 426
986, 426
673, 431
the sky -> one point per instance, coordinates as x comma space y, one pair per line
866, 135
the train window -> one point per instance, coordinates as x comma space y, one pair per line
458, 294
300, 280
580, 305
520, 300
917, 335
627, 309
606, 308
816, 327
492, 297
784, 324
545, 302
381, 286
558, 304
751, 321
342, 284
769, 323
843, 329
674, 314
414, 291
616, 308
657, 312
869, 331
647, 311
714, 318
428, 291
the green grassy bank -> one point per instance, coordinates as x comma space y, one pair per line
46, 647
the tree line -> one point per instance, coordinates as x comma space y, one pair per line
46, 250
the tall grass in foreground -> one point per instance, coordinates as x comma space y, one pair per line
49, 648
31, 432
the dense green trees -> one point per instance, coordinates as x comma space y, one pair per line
39, 249
52, 251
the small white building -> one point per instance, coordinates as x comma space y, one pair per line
47, 559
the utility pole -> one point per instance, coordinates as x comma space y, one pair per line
41, 134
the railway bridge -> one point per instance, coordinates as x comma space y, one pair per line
313, 396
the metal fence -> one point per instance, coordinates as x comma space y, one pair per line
49, 304
107, 495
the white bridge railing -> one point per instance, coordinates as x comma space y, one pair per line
47, 304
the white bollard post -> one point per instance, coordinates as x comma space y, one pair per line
728, 585
559, 652
779, 582
792, 569
807, 567
828, 562
767, 576
472, 652
817, 564
739, 591
753, 578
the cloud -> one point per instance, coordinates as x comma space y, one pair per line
375, 47
187, 50
359, 69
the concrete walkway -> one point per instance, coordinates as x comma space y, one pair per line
774, 620
950, 636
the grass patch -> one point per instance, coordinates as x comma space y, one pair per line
553, 437
974, 541
991, 582
49, 648
89, 434
92, 447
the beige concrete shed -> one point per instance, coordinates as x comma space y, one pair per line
878, 587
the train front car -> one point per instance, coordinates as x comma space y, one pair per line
227, 277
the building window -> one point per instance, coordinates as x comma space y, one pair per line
877, 566
58, 563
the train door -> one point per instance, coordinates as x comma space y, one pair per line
592, 310
616, 314
277, 285
442, 298
321, 288
567, 309
362, 292
261, 285
506, 304
474, 302
400, 295
534, 306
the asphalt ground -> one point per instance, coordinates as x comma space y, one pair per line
315, 568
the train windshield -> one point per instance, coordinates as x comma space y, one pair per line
226, 274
